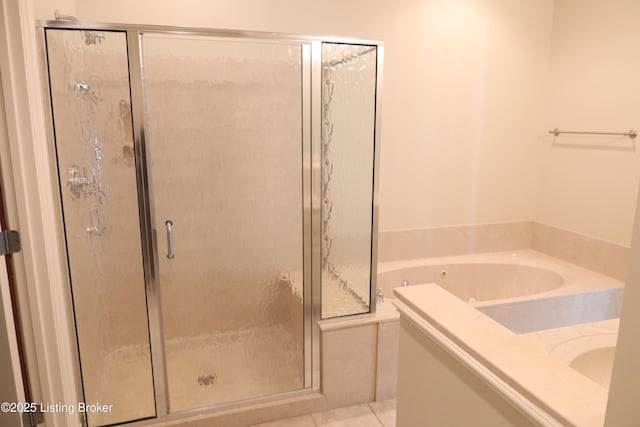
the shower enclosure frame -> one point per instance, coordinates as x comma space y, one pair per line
311, 179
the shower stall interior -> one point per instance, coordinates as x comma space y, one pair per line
218, 196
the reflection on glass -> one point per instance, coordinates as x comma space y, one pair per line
223, 131
348, 122
89, 80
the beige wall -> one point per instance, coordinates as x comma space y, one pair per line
589, 184
477, 73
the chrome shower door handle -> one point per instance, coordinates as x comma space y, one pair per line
170, 253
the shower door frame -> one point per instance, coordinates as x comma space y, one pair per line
311, 183
146, 203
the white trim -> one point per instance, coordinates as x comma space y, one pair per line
35, 199
536, 414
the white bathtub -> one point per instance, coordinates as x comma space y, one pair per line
524, 290
478, 281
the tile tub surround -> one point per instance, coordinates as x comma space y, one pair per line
588, 252
479, 347
456, 240
582, 296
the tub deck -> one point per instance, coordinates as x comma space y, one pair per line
583, 296
576, 279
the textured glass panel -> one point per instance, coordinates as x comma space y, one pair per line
348, 124
89, 80
223, 129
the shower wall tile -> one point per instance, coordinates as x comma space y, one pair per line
349, 364
459, 240
588, 252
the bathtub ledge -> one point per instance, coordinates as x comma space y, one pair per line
541, 388
385, 312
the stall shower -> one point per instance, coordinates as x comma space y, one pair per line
210, 220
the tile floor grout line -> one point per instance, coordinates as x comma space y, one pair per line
375, 414
313, 420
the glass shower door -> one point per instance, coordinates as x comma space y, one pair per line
94, 147
223, 130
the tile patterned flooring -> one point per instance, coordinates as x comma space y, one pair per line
372, 414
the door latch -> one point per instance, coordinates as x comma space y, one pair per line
9, 242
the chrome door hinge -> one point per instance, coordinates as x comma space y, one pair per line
33, 418
9, 242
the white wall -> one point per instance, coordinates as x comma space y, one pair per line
463, 91
589, 184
